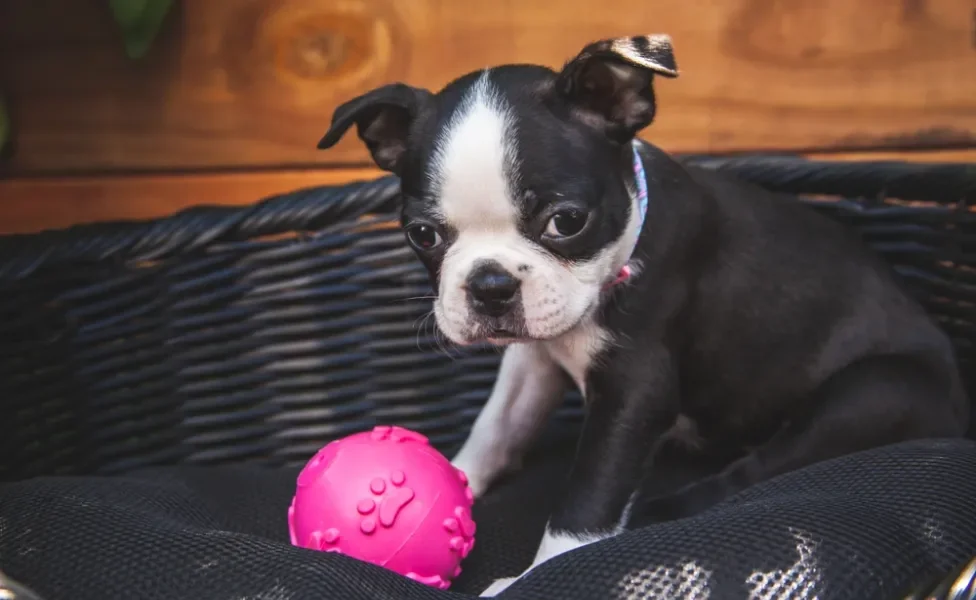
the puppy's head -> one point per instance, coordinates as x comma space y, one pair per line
517, 183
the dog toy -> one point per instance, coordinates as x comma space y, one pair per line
389, 498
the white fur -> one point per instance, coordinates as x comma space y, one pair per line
474, 177
553, 544
529, 386
625, 515
575, 350
659, 42
497, 587
473, 160
527, 389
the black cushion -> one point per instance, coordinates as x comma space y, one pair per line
860, 527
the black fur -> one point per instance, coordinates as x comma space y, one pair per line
769, 326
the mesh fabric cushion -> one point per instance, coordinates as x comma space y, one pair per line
861, 527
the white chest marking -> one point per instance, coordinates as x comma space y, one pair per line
575, 350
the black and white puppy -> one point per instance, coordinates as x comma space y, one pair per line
680, 302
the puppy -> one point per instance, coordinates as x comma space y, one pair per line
679, 301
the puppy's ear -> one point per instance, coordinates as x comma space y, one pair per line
382, 118
608, 84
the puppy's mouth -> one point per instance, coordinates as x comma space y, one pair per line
500, 332
467, 329
508, 330
502, 336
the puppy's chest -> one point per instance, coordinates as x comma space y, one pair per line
576, 350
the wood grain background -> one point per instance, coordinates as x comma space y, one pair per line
234, 95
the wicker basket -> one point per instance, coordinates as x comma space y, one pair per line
259, 333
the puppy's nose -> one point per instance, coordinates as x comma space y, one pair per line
492, 290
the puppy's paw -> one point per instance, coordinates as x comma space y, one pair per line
483, 469
497, 587
476, 478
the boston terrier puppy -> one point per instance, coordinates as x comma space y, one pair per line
685, 305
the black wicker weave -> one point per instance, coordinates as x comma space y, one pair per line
225, 334
222, 336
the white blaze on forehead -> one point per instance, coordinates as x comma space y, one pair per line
474, 162
473, 178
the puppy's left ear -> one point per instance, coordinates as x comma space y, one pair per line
608, 84
383, 118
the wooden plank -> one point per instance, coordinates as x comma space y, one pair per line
29, 205
932, 156
244, 83
34, 204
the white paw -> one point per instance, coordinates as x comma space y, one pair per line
497, 587
476, 480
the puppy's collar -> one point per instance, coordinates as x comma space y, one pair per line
640, 177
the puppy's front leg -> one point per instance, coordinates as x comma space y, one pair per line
626, 417
528, 387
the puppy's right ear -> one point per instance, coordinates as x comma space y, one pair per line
383, 118
609, 83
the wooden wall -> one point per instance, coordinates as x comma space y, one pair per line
232, 98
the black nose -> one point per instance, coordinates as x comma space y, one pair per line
492, 289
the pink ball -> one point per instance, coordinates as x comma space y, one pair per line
386, 497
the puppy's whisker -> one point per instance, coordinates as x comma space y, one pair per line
411, 299
419, 322
439, 339
443, 342
440, 346
434, 333
422, 328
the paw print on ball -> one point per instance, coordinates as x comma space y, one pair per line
325, 540
396, 434
317, 466
320, 540
391, 496
462, 529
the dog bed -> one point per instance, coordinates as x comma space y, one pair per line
162, 382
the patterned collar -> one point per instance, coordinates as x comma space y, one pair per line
641, 181
641, 178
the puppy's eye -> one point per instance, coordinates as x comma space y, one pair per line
423, 237
566, 223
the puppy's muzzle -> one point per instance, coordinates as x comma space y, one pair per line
492, 291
